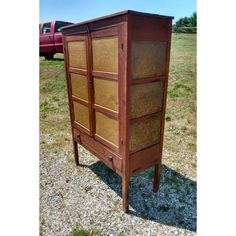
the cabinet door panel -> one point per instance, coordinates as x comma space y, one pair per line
77, 54
81, 114
106, 93
107, 128
105, 54
79, 86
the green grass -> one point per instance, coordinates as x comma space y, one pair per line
46, 108
180, 130
54, 110
172, 93
181, 85
168, 117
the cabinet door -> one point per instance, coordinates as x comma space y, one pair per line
79, 82
105, 67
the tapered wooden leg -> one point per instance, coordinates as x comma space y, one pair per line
76, 155
125, 193
156, 181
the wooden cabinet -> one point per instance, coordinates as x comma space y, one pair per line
117, 74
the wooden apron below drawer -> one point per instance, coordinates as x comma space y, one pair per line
107, 156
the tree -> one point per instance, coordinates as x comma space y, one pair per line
186, 24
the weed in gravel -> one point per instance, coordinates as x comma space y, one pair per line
85, 232
87, 188
41, 186
192, 147
121, 234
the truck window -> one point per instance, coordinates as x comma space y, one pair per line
59, 25
46, 28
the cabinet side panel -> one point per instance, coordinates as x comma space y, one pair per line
149, 28
149, 43
146, 99
148, 59
144, 133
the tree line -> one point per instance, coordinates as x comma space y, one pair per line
186, 24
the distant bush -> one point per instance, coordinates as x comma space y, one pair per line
186, 24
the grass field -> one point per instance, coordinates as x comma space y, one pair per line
180, 130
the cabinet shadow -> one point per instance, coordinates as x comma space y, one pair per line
174, 204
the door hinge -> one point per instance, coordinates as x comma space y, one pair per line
122, 46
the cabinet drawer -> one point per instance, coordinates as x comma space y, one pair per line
107, 156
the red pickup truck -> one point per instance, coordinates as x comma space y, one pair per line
50, 38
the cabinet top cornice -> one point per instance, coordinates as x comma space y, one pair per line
115, 15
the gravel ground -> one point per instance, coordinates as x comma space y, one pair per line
89, 197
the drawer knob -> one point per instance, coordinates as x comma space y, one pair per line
110, 158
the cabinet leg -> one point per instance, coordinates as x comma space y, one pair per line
125, 193
76, 155
156, 181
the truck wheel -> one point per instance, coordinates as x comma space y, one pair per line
49, 56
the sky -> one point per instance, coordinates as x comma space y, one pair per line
76, 11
